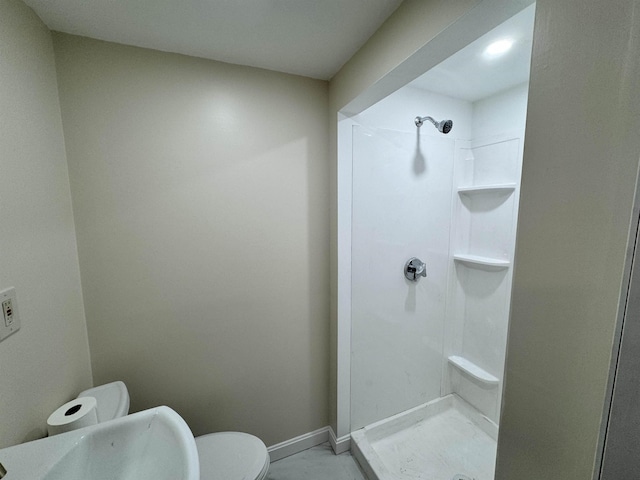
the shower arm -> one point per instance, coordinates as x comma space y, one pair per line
421, 120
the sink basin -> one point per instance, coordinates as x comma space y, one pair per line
154, 444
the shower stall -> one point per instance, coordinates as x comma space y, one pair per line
432, 240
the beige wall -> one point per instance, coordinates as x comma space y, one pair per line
410, 27
46, 363
200, 192
579, 172
581, 158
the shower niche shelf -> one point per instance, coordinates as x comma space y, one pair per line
505, 188
473, 370
483, 263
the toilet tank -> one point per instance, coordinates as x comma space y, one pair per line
112, 400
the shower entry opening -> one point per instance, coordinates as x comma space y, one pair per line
431, 238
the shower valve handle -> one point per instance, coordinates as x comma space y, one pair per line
415, 268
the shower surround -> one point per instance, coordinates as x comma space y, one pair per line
427, 356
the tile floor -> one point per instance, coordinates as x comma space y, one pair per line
317, 463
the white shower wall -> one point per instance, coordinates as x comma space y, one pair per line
501, 113
402, 180
484, 225
402, 196
404, 203
398, 111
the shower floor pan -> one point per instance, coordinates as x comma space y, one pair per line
444, 439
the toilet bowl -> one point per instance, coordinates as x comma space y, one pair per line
223, 455
227, 455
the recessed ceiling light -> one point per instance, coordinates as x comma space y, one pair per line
498, 48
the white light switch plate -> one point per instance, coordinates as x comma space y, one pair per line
9, 319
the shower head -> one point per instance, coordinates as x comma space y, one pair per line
443, 126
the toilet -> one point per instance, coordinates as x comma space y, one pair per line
223, 455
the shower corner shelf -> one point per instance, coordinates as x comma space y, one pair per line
497, 188
473, 370
485, 263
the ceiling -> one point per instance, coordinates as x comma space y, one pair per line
313, 38
470, 75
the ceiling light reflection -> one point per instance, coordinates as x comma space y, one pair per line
498, 48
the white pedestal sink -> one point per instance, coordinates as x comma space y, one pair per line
154, 444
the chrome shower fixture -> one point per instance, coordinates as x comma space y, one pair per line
444, 126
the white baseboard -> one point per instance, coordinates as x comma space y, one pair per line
339, 445
298, 444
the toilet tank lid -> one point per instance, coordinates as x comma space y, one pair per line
112, 400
